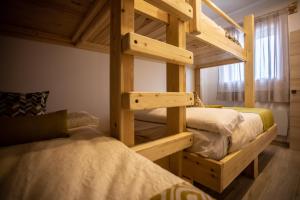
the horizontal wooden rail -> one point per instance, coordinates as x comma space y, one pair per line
148, 100
135, 44
164, 147
178, 8
147, 9
222, 14
222, 44
216, 63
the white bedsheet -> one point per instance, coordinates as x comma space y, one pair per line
84, 166
208, 144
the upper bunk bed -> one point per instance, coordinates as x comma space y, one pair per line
86, 24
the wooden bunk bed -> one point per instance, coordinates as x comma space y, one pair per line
159, 29
217, 175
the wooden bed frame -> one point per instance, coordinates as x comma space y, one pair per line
168, 30
217, 175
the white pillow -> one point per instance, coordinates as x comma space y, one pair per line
216, 120
82, 118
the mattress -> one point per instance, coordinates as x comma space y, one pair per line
266, 115
207, 144
87, 165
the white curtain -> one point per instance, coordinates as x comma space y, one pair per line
271, 64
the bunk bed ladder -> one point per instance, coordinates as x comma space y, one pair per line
124, 45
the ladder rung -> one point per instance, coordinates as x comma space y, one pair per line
148, 100
135, 44
165, 146
145, 8
179, 8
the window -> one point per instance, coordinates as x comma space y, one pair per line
270, 64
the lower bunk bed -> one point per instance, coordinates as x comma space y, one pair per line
217, 175
215, 160
84, 164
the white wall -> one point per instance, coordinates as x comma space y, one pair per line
77, 79
294, 20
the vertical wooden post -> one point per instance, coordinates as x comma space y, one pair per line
249, 64
252, 169
175, 35
176, 121
121, 71
194, 24
197, 80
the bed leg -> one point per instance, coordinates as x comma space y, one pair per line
252, 169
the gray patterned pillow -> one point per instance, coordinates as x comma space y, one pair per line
21, 104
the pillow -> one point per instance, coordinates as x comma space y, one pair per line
21, 104
18, 130
82, 118
216, 120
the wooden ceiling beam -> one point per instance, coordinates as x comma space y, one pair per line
91, 14
102, 17
100, 14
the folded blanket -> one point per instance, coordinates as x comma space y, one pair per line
222, 121
266, 115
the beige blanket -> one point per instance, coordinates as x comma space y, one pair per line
84, 166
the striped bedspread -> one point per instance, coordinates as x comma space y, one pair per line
182, 191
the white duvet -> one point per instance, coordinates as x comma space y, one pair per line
205, 143
222, 121
84, 166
